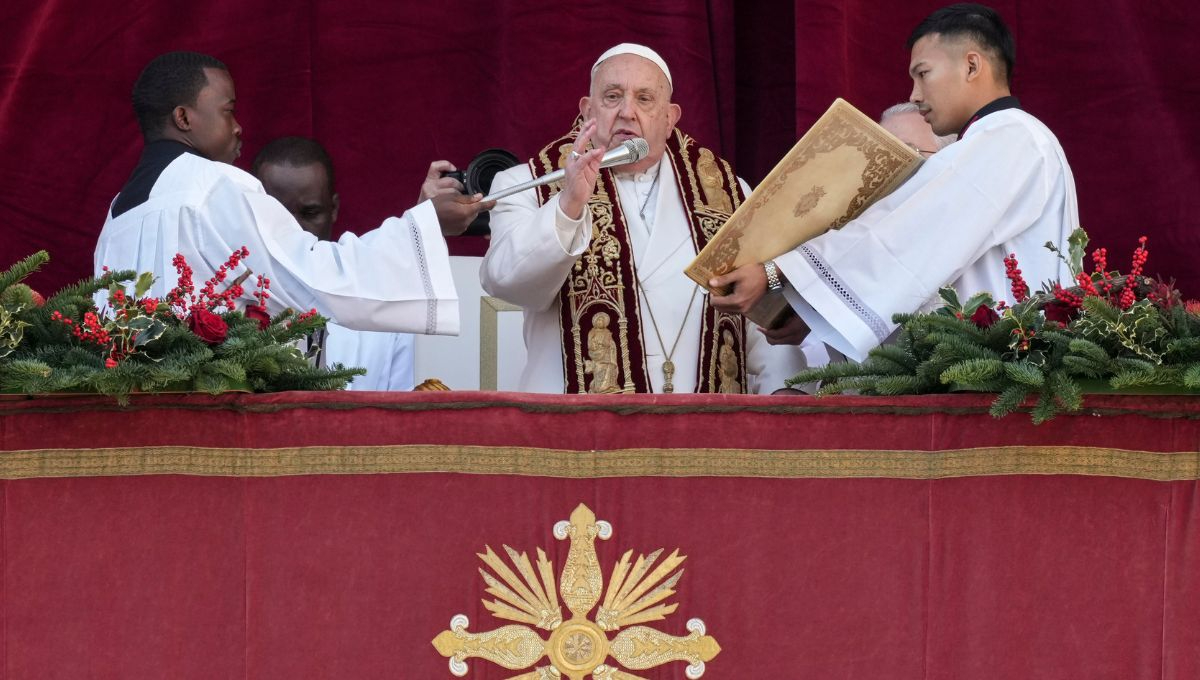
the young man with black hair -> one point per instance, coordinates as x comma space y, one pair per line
298, 172
1004, 187
185, 197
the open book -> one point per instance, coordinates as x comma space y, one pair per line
843, 164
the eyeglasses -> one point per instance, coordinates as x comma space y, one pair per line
923, 152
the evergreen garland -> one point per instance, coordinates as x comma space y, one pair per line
141, 344
1129, 332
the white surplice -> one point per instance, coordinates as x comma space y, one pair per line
388, 357
533, 248
393, 278
1005, 187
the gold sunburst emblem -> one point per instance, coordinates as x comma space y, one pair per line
579, 647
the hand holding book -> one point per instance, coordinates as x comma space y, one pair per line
842, 165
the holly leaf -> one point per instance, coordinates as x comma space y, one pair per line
139, 323
975, 302
144, 281
951, 297
1076, 243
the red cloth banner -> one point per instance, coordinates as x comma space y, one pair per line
293, 535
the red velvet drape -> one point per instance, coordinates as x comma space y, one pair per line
388, 87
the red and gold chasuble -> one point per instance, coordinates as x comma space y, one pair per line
602, 335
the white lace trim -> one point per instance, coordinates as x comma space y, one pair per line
848, 297
426, 282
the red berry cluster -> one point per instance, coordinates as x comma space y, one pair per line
1085, 283
1139, 261
209, 297
261, 291
1020, 289
306, 315
89, 331
178, 297
181, 296
1100, 266
1067, 297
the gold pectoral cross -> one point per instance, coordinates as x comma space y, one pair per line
668, 375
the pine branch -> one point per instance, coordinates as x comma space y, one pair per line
1184, 349
1065, 391
862, 383
22, 269
1087, 368
1045, 409
1191, 376
972, 372
899, 384
1009, 400
82, 291
1024, 373
894, 355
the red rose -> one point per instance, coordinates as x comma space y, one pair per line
207, 326
259, 313
984, 316
1057, 311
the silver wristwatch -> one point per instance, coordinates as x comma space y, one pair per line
774, 280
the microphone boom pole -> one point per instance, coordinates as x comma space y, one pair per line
630, 151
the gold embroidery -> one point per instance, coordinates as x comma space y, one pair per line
579, 647
728, 361
572, 464
602, 357
594, 281
564, 150
715, 195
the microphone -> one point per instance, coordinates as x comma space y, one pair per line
629, 151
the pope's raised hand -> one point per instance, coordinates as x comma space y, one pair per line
582, 168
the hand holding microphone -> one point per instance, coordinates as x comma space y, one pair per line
629, 151
579, 174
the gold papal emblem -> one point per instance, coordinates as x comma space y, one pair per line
579, 647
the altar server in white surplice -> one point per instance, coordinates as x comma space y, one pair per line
598, 266
298, 172
1004, 187
185, 197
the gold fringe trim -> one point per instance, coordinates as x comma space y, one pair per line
643, 462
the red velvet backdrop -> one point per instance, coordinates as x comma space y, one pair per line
388, 87
877, 570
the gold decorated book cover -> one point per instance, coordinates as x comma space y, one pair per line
842, 165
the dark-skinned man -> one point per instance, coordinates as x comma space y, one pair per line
299, 173
185, 197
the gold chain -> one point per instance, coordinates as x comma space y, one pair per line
668, 365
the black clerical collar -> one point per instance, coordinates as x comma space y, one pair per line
156, 156
1009, 102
